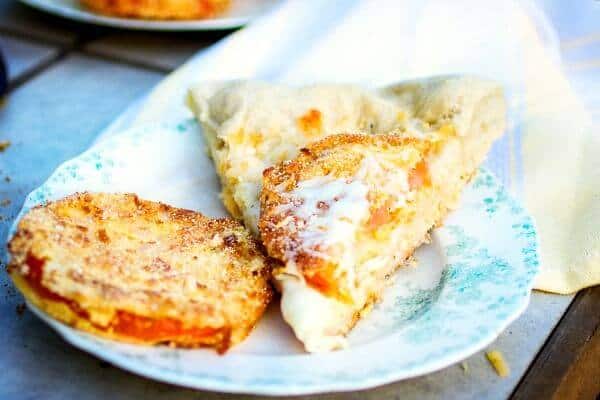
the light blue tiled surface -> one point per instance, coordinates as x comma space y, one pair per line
165, 51
57, 115
22, 56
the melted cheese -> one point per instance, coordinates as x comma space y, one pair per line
332, 209
318, 321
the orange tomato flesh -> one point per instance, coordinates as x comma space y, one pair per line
124, 323
322, 280
34, 278
419, 176
381, 215
311, 121
155, 329
319, 281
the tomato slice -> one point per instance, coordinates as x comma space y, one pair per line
319, 281
34, 278
381, 215
124, 323
419, 176
322, 279
155, 329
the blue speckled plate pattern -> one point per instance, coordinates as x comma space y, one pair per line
467, 285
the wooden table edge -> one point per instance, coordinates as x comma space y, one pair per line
568, 364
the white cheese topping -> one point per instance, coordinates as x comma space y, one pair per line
318, 321
331, 209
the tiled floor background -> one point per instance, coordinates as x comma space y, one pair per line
69, 81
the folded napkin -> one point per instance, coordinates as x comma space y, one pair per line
547, 155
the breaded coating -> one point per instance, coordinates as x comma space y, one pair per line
332, 188
158, 9
141, 271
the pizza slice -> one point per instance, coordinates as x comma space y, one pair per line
445, 124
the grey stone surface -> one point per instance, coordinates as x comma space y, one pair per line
22, 56
19, 18
164, 51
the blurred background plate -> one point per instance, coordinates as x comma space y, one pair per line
239, 13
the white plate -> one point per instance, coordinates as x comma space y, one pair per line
471, 281
239, 13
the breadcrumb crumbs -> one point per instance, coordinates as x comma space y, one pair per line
497, 360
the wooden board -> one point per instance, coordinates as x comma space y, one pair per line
568, 366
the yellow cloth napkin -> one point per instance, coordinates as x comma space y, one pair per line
561, 177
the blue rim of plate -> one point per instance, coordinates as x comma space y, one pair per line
470, 277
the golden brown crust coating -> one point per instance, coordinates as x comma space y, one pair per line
158, 9
141, 271
332, 155
339, 156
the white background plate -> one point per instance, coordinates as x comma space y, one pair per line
471, 281
240, 13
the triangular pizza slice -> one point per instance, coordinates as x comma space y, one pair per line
348, 211
349, 203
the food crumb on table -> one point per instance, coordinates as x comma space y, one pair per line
465, 367
497, 360
4, 144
